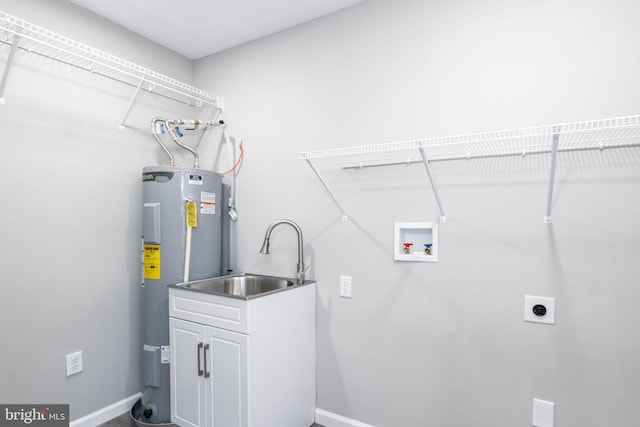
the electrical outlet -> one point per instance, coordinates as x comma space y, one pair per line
74, 363
539, 309
345, 286
542, 413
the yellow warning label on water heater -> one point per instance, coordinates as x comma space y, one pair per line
192, 214
151, 261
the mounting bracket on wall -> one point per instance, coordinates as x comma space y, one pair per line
552, 172
7, 67
427, 167
326, 187
310, 155
33, 39
618, 132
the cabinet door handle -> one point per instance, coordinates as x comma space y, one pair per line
206, 373
200, 371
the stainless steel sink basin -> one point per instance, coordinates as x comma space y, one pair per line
243, 286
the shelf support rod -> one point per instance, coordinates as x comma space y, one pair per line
133, 100
7, 67
552, 174
326, 187
427, 166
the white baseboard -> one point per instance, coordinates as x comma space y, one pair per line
325, 418
108, 412
329, 419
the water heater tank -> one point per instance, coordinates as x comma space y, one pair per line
166, 191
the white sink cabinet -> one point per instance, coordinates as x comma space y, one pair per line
243, 362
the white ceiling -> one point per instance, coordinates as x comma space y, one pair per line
196, 28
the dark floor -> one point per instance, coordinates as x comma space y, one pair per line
124, 420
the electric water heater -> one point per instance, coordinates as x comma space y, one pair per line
183, 211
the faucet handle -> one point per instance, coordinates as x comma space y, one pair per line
300, 277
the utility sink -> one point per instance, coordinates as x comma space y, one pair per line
244, 286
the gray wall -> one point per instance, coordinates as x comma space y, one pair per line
445, 344
71, 214
418, 345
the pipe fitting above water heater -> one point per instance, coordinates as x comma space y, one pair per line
167, 126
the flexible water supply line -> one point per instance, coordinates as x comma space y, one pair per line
195, 123
237, 163
174, 136
155, 135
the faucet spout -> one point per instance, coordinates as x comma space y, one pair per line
267, 236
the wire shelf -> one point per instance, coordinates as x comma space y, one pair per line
34, 39
602, 134
588, 135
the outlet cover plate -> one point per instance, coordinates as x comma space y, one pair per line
549, 303
345, 286
74, 363
542, 413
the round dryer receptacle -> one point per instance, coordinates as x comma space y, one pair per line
539, 310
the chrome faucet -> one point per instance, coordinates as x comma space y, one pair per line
267, 236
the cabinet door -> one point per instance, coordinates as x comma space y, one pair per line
227, 385
187, 383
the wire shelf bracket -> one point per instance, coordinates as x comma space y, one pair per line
427, 167
7, 66
618, 132
133, 101
552, 173
34, 39
326, 187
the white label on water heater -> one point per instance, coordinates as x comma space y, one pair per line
207, 203
195, 179
165, 354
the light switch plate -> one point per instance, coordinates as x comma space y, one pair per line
542, 413
549, 305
